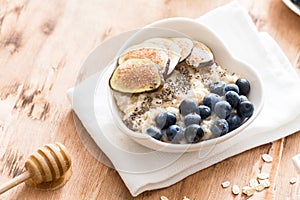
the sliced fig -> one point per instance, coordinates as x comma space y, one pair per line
172, 48
185, 45
200, 56
143, 45
136, 75
157, 54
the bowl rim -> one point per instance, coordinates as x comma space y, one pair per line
144, 139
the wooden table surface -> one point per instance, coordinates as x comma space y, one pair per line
42, 47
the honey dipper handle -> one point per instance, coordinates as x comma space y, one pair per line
14, 182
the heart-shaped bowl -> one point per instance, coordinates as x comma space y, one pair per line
185, 27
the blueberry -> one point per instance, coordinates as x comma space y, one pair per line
154, 132
243, 85
211, 99
193, 133
234, 121
220, 127
243, 98
217, 88
245, 109
205, 111
232, 98
192, 118
232, 87
222, 109
174, 133
165, 119
188, 106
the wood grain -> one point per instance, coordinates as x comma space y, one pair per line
42, 47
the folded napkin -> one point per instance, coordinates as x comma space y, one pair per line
143, 169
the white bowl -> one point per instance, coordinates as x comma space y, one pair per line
176, 27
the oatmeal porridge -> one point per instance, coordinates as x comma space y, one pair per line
194, 100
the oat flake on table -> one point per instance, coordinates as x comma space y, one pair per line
253, 183
262, 176
235, 189
164, 198
293, 180
249, 191
260, 187
225, 184
266, 182
267, 158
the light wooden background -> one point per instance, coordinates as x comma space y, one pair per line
42, 47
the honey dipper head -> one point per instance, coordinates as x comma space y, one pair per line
48, 163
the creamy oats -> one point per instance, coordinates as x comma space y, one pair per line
138, 111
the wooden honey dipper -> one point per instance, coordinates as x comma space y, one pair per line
48, 167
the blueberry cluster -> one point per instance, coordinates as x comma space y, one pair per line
192, 132
297, 2
230, 104
227, 102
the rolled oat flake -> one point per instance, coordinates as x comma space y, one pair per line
266, 182
260, 187
262, 176
267, 158
225, 184
253, 183
293, 180
164, 198
249, 191
235, 189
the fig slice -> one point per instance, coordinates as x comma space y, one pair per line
155, 53
135, 76
172, 48
201, 56
185, 44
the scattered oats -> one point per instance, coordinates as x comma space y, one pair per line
267, 158
235, 189
249, 191
164, 198
293, 180
260, 187
185, 198
253, 183
225, 184
262, 176
265, 182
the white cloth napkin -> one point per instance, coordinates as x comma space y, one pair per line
142, 169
